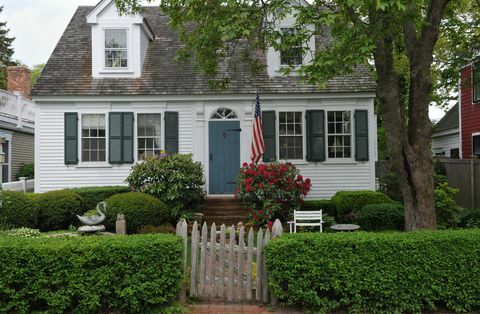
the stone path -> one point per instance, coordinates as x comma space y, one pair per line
222, 308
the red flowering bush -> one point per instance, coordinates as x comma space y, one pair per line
271, 190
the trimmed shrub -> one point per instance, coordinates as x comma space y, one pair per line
377, 272
327, 206
176, 180
348, 201
94, 195
127, 274
376, 217
58, 209
139, 209
18, 210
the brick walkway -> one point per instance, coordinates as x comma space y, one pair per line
222, 308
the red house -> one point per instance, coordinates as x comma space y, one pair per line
470, 109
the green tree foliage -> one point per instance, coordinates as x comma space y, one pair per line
396, 38
6, 52
35, 72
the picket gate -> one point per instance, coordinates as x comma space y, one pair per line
226, 263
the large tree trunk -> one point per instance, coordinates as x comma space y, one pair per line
408, 137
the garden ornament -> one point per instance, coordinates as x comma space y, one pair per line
97, 219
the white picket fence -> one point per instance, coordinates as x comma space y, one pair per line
233, 271
23, 185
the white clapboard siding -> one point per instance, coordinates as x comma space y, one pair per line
194, 114
50, 170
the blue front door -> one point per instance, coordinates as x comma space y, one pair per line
224, 150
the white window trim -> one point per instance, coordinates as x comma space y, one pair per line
474, 101
351, 159
109, 70
303, 160
474, 134
295, 66
8, 138
93, 164
135, 132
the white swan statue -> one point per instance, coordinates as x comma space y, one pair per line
97, 219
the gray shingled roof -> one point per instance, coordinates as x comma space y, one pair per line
68, 72
449, 121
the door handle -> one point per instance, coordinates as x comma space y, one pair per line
210, 157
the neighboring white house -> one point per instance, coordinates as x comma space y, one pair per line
111, 93
446, 135
17, 123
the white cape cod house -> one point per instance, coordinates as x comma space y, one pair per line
111, 94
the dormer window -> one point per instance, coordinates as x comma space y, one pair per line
292, 56
116, 49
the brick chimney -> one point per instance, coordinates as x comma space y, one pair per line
18, 80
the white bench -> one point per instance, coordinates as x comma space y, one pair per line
310, 218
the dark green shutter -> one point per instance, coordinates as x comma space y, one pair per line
171, 132
127, 148
120, 137
269, 136
361, 135
71, 138
315, 135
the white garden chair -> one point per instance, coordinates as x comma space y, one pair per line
310, 218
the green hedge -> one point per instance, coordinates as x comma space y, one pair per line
58, 209
376, 217
126, 274
377, 272
140, 209
348, 201
327, 206
18, 210
94, 195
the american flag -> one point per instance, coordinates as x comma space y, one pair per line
258, 146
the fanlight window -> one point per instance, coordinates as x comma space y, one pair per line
224, 113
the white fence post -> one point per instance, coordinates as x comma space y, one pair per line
24, 183
183, 232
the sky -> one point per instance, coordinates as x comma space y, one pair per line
38, 24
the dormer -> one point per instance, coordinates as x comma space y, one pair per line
276, 60
119, 43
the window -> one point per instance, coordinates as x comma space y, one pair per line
93, 137
476, 145
291, 135
476, 81
6, 164
149, 135
293, 55
455, 153
116, 52
339, 134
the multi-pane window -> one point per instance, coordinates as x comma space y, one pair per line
293, 55
476, 81
339, 134
93, 137
290, 135
149, 135
116, 51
